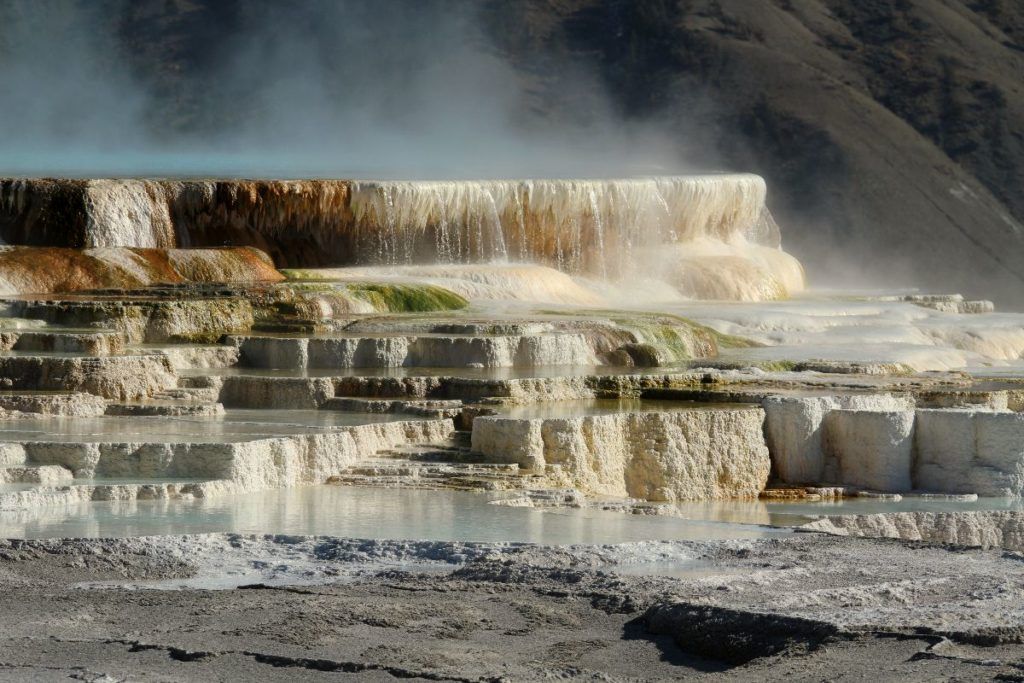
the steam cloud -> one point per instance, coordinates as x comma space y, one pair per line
331, 89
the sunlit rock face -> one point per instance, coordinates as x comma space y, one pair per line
706, 236
796, 433
123, 377
975, 451
882, 442
873, 449
411, 351
663, 456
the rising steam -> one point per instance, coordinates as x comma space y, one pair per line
333, 89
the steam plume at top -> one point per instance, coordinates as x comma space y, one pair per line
328, 89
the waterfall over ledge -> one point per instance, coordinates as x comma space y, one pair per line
710, 237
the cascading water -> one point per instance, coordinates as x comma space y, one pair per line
708, 236
588, 227
598, 233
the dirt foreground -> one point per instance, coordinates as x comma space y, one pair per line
224, 607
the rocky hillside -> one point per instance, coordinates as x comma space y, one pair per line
891, 131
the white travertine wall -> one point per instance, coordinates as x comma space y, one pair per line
794, 429
872, 449
700, 454
123, 377
414, 351
251, 465
970, 451
882, 442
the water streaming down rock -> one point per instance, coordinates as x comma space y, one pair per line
580, 226
724, 242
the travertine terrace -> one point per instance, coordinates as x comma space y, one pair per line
432, 314
591, 347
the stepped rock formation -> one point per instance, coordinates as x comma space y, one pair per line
882, 442
873, 448
702, 454
795, 429
709, 236
973, 451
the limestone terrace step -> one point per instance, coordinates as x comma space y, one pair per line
381, 351
95, 343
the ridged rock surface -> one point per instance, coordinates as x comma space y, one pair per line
873, 449
412, 351
988, 529
126, 377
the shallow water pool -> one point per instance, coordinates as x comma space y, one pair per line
364, 513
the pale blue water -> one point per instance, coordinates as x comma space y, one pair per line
363, 513
438, 515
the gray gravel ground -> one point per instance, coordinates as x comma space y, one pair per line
219, 607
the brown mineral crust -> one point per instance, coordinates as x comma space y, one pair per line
44, 270
294, 221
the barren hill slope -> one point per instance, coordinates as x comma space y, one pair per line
891, 131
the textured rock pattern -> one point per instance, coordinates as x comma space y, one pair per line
794, 428
126, 377
873, 449
401, 351
68, 404
682, 455
881, 442
987, 529
970, 451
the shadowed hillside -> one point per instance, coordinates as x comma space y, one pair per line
891, 132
